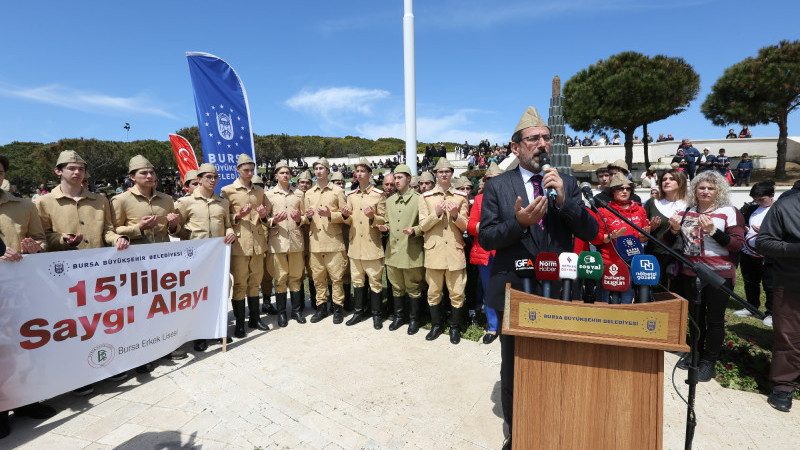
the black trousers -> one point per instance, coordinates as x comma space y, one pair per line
784, 371
711, 315
756, 272
506, 374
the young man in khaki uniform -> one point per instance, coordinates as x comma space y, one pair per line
365, 210
323, 209
404, 254
266, 279
248, 209
285, 243
22, 233
426, 182
443, 218
204, 214
304, 183
338, 179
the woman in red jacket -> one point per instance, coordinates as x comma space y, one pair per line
620, 190
481, 258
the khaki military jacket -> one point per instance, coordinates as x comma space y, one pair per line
444, 245
128, 208
19, 219
403, 251
285, 236
204, 218
251, 234
89, 215
365, 239
325, 233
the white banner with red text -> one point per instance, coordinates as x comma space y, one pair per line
71, 318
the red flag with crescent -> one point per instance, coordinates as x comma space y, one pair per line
184, 154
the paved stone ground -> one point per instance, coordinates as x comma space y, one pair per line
326, 386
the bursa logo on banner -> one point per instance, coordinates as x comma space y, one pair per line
646, 270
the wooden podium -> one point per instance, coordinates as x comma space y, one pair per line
591, 376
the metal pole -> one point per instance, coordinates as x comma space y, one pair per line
410, 86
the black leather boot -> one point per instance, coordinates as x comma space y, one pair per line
312, 293
200, 345
389, 301
338, 314
5, 428
399, 313
322, 312
280, 303
359, 294
255, 320
297, 306
413, 315
238, 313
436, 323
455, 325
375, 299
348, 298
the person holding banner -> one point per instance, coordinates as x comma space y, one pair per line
22, 233
711, 233
285, 243
248, 208
145, 215
364, 211
328, 260
620, 190
518, 221
204, 214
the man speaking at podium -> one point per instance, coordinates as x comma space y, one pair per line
541, 209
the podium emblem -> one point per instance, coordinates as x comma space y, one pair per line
532, 315
651, 325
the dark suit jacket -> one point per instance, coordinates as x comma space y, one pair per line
500, 231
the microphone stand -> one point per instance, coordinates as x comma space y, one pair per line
705, 277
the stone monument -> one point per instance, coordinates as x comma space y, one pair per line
559, 155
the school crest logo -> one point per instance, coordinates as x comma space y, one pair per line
100, 356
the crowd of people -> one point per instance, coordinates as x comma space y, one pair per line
441, 249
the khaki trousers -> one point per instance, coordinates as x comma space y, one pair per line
406, 281
328, 267
286, 268
247, 273
369, 268
456, 281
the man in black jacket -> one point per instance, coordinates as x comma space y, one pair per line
515, 211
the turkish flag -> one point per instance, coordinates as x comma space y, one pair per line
184, 154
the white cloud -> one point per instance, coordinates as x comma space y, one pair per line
455, 127
336, 100
54, 94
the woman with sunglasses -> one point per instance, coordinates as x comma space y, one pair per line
612, 227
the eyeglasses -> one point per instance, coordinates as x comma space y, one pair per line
626, 188
534, 138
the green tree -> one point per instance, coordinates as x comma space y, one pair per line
626, 91
759, 90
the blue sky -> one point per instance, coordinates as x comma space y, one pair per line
83, 69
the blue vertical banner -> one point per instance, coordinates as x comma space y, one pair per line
223, 114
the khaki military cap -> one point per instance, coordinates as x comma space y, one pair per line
493, 170
190, 175
364, 162
443, 163
619, 163
305, 175
280, 165
414, 181
530, 118
337, 176
257, 180
244, 158
138, 162
206, 168
69, 156
426, 176
322, 162
403, 168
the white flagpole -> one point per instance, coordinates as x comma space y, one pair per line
410, 86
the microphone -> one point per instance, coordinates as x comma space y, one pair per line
616, 279
590, 266
588, 194
567, 271
525, 269
546, 271
645, 272
628, 247
544, 162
